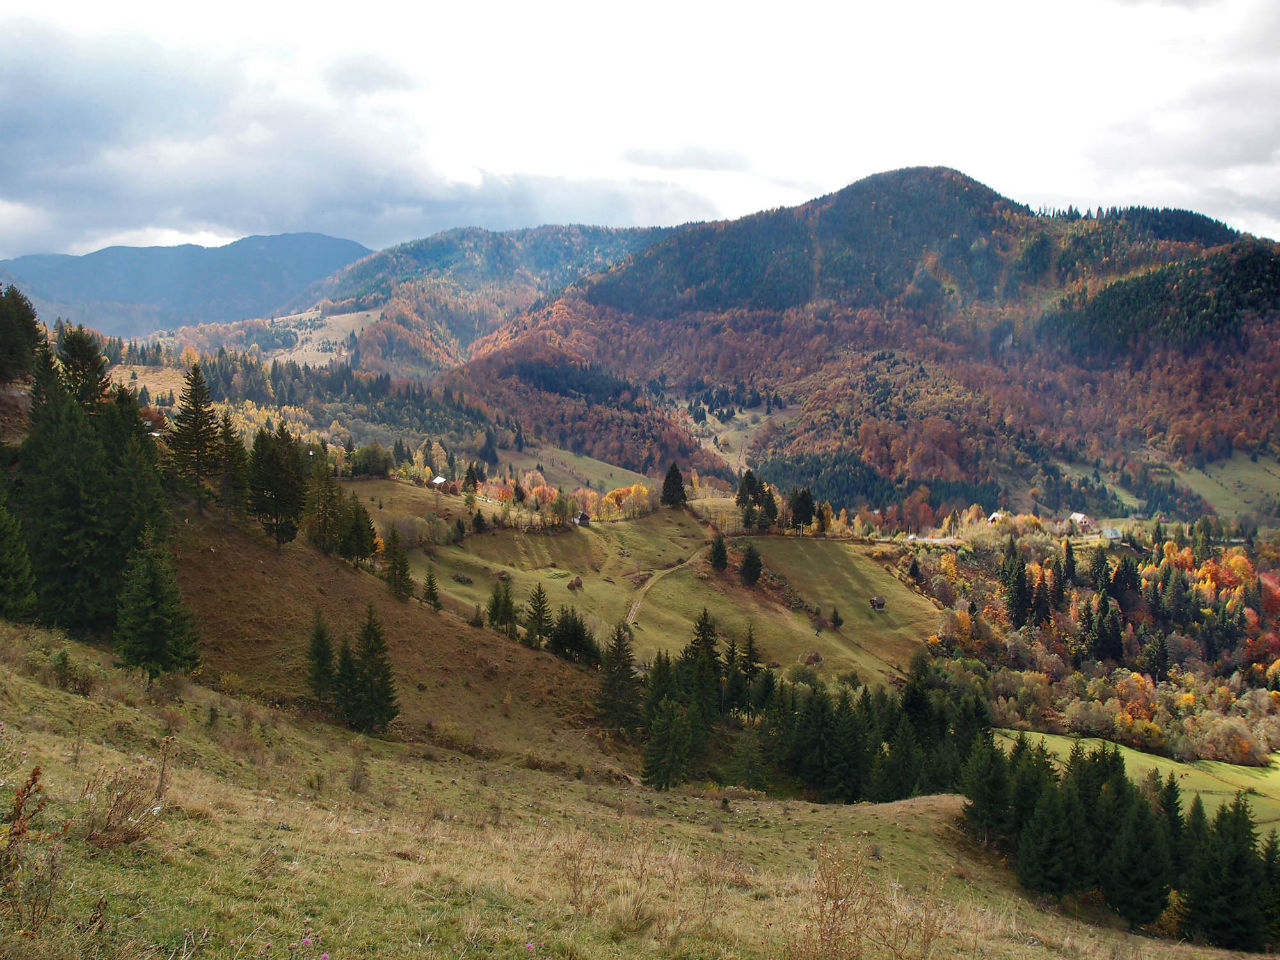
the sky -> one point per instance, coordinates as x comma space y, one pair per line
146, 123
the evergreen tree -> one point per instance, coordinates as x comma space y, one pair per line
63, 502
985, 782
358, 535
195, 436
430, 592
1068, 562
20, 333
618, 703
398, 577
719, 554
1100, 571
660, 684
326, 510
666, 754
673, 494
83, 366
346, 685
751, 565
896, 770
751, 664
537, 620
1226, 878
1135, 870
837, 621
277, 484
17, 583
153, 627
233, 470
376, 703
320, 666
1042, 865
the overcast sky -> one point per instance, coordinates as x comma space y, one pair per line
150, 123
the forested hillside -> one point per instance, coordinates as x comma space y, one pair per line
919, 326
438, 294
131, 291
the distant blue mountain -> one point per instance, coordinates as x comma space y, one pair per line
131, 291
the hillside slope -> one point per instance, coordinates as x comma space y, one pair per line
131, 291
932, 331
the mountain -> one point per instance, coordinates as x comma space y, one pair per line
436, 295
131, 291
919, 328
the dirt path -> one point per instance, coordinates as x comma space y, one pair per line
634, 610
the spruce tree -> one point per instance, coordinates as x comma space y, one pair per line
153, 628
1135, 870
660, 684
320, 667
65, 510
751, 565
1068, 563
346, 685
985, 782
398, 577
376, 701
537, 620
233, 471
83, 366
17, 583
719, 554
195, 437
430, 592
666, 754
618, 702
1042, 866
673, 494
19, 334
277, 483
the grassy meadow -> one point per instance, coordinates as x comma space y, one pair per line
268, 827
1216, 782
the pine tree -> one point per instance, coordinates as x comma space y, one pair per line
666, 754
195, 438
618, 703
1226, 877
398, 577
17, 584
19, 334
751, 565
277, 483
985, 781
719, 554
376, 701
83, 366
673, 494
63, 504
233, 471
430, 592
537, 620
1100, 571
1135, 869
153, 627
1042, 866
346, 685
320, 667
358, 535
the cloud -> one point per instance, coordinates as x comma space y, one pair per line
125, 140
687, 158
365, 75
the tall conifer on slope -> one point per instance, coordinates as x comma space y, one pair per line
195, 440
376, 703
17, 584
153, 627
618, 703
320, 667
